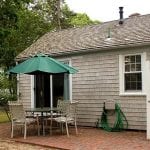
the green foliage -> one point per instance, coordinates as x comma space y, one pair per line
31, 26
7, 88
8, 20
60, 16
51, 11
8, 15
80, 20
67, 17
7, 55
19, 27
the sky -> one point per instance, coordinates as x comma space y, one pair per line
107, 10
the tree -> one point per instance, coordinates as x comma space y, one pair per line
8, 16
51, 11
60, 16
80, 20
8, 20
19, 27
31, 26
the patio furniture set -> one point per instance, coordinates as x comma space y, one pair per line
40, 118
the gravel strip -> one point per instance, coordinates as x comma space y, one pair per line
12, 145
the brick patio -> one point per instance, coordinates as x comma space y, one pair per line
87, 139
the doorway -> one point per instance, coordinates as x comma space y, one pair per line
58, 85
42, 90
58, 88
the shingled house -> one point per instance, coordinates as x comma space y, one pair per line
113, 62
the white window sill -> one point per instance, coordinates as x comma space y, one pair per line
132, 94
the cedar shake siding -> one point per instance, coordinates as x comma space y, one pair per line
25, 90
95, 51
98, 81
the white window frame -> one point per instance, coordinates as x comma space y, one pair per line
70, 77
121, 75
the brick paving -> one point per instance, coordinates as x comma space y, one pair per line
87, 139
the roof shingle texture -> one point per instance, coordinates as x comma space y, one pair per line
134, 31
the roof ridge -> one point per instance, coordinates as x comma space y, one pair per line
92, 25
133, 29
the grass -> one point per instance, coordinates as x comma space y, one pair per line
3, 116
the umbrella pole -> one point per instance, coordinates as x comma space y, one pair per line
42, 91
51, 91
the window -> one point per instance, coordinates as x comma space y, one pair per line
132, 74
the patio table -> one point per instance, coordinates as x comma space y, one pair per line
43, 110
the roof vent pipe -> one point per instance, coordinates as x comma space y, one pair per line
121, 15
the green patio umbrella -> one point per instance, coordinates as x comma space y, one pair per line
40, 64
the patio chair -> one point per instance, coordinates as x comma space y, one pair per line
68, 115
53, 114
19, 118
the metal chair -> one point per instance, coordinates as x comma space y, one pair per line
53, 114
68, 115
19, 118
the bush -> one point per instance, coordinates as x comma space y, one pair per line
7, 91
7, 88
5, 97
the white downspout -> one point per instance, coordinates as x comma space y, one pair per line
148, 98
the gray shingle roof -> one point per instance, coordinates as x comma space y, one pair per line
134, 31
